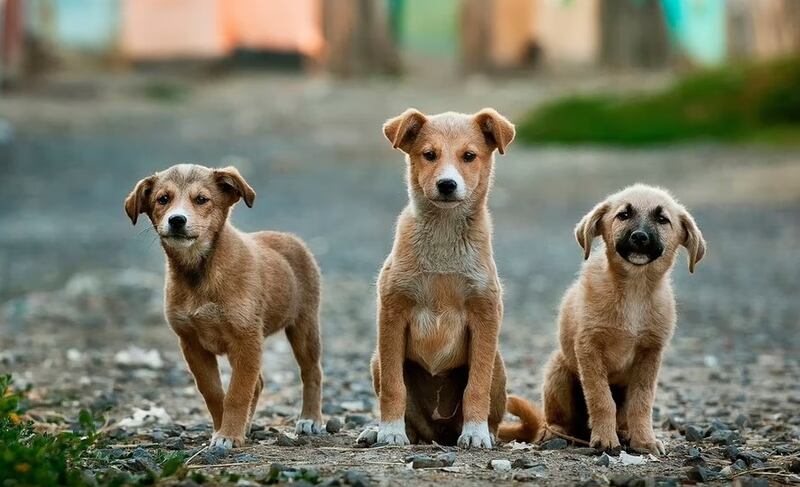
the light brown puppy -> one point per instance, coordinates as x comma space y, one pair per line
437, 370
227, 290
614, 324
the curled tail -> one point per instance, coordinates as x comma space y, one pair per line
531, 423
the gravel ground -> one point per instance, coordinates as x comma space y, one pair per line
81, 320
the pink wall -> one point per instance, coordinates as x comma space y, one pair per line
163, 29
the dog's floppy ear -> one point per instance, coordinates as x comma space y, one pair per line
233, 183
404, 128
692, 239
497, 130
137, 201
589, 227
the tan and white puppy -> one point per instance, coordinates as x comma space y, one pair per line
437, 370
227, 290
614, 324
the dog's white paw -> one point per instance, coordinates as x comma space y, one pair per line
475, 435
306, 426
393, 433
224, 442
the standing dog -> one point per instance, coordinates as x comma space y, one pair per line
437, 370
614, 324
227, 290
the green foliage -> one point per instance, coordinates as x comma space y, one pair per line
752, 102
280, 474
30, 458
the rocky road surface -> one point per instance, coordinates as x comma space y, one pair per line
81, 319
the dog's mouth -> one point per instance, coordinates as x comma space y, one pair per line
179, 238
446, 202
639, 257
636, 258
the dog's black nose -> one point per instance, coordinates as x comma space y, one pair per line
177, 222
446, 186
640, 238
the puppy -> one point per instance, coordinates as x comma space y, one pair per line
614, 324
437, 371
227, 290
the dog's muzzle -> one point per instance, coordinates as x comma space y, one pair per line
640, 246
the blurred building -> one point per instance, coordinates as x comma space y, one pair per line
354, 37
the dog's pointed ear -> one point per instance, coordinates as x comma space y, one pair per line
234, 184
403, 129
497, 130
692, 239
137, 201
589, 227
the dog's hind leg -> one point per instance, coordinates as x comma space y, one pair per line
304, 338
254, 403
619, 393
560, 400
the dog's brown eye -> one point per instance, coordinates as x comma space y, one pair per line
163, 199
429, 155
201, 200
624, 215
469, 156
662, 220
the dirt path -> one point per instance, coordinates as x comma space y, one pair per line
80, 285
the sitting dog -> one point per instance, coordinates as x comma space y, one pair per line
437, 370
614, 324
227, 290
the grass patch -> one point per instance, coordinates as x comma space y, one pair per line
758, 102
31, 455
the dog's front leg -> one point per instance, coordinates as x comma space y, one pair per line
391, 355
599, 401
245, 360
483, 320
204, 369
639, 399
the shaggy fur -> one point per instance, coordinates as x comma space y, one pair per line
614, 324
227, 290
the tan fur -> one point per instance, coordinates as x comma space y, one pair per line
227, 290
439, 297
614, 324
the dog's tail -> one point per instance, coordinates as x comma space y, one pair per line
531, 424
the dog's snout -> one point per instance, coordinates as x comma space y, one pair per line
177, 222
446, 186
640, 238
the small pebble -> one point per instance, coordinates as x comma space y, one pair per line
603, 460
794, 465
694, 433
424, 461
523, 462
725, 437
554, 444
700, 474
500, 465
260, 435
334, 425
285, 440
213, 455
175, 443
368, 437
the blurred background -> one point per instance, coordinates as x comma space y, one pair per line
700, 96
